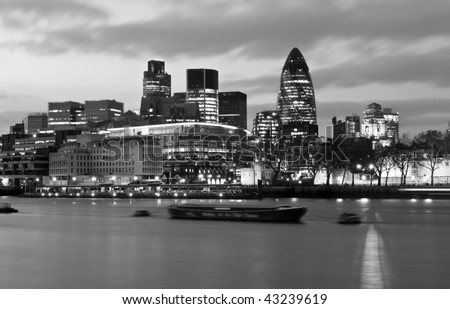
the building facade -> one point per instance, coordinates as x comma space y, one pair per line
63, 114
102, 110
202, 88
380, 125
233, 109
351, 126
296, 99
266, 126
35, 122
157, 82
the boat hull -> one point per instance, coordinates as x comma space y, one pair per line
277, 214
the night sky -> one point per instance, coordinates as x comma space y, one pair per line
396, 53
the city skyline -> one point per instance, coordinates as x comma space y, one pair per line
358, 52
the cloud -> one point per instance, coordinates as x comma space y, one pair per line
46, 14
202, 28
432, 68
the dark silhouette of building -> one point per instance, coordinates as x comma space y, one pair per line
351, 126
156, 82
202, 88
296, 100
233, 109
102, 110
35, 122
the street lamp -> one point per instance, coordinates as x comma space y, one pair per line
371, 167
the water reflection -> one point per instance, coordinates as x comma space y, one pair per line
374, 270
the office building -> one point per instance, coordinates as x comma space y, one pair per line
233, 109
157, 82
63, 114
203, 89
266, 126
351, 126
35, 122
392, 127
102, 110
296, 100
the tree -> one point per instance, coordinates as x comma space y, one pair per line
382, 162
432, 144
402, 158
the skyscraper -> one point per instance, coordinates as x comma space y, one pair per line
233, 109
296, 100
202, 87
157, 82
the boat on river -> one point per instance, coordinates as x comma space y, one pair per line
280, 213
349, 218
5, 208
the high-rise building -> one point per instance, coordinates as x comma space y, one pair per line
157, 82
233, 109
62, 114
266, 125
296, 100
35, 122
102, 110
202, 88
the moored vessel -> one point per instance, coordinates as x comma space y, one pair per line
280, 213
5, 208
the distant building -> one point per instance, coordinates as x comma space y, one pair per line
296, 99
203, 89
392, 125
157, 82
267, 125
102, 110
380, 125
179, 97
35, 122
233, 109
351, 126
62, 114
163, 110
18, 129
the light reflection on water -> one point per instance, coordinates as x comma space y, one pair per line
95, 243
373, 272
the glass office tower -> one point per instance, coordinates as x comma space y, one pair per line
296, 100
157, 83
203, 88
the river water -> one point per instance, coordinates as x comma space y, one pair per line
96, 243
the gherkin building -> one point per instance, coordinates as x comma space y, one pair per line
296, 101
